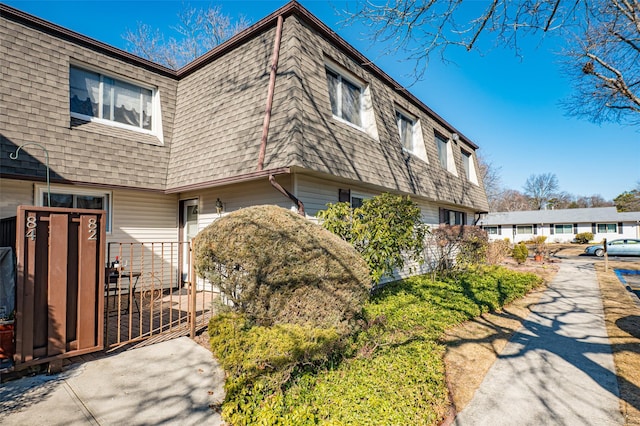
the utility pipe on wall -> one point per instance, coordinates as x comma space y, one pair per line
267, 118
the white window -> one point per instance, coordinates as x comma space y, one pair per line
97, 97
405, 129
346, 98
563, 229
524, 229
442, 150
491, 230
445, 154
76, 198
350, 99
607, 228
469, 167
410, 133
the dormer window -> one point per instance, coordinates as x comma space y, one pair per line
410, 133
97, 97
405, 128
469, 167
346, 98
445, 154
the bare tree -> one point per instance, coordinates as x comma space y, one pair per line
541, 189
490, 174
198, 31
511, 200
602, 39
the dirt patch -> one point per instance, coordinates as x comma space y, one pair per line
622, 318
473, 347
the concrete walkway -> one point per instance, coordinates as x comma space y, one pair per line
558, 369
172, 382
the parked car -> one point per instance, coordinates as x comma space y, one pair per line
623, 247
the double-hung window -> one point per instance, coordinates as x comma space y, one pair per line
346, 98
442, 150
491, 230
94, 96
607, 228
563, 229
405, 128
524, 229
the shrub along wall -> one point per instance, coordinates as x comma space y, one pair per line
389, 372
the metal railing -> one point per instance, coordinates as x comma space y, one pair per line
150, 292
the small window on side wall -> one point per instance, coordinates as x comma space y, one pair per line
77, 199
452, 217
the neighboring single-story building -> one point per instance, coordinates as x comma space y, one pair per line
285, 104
561, 225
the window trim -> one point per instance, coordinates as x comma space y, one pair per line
606, 225
367, 117
522, 227
156, 113
417, 140
563, 227
449, 160
41, 193
338, 96
489, 229
470, 169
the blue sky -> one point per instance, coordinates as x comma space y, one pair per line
509, 106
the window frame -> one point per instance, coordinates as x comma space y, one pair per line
491, 230
521, 228
607, 227
563, 227
469, 167
444, 149
338, 96
400, 117
41, 194
156, 115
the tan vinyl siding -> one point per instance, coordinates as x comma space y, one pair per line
235, 197
12, 194
144, 216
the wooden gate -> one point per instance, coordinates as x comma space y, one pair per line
60, 287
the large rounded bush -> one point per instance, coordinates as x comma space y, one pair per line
278, 268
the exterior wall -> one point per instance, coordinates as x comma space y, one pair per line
237, 196
220, 111
629, 230
34, 88
333, 147
14, 193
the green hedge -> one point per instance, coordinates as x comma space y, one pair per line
392, 372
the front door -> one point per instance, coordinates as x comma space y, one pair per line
189, 228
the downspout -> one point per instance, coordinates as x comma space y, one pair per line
267, 118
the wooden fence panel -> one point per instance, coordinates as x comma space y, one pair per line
60, 287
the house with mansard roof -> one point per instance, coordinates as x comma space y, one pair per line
285, 112
561, 225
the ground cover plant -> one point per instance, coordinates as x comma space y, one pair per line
391, 371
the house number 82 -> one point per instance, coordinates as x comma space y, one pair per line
93, 229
